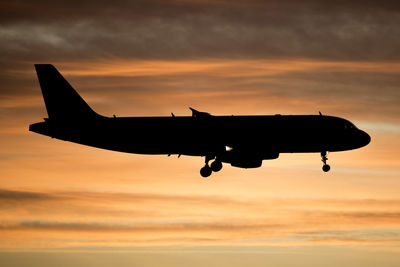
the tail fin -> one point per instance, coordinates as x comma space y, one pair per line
61, 100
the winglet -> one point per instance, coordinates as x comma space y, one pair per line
199, 114
193, 111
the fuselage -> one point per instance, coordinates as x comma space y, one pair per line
259, 135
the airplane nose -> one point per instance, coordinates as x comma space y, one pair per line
365, 138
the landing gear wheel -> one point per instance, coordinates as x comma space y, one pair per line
205, 171
326, 168
216, 166
324, 158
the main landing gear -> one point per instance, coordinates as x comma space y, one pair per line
326, 167
215, 166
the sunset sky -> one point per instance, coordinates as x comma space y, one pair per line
63, 204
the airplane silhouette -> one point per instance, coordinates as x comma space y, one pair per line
242, 141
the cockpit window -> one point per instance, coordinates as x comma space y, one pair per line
349, 125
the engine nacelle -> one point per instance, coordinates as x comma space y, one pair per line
271, 156
246, 160
246, 163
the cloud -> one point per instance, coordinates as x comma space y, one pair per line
156, 208
113, 206
352, 236
108, 199
200, 29
88, 217
150, 228
24, 195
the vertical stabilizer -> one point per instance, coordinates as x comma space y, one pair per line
62, 101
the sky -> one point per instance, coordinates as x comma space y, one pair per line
67, 204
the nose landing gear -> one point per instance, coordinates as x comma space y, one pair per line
326, 167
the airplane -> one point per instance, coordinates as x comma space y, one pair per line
242, 141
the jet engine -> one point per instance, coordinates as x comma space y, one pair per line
246, 163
